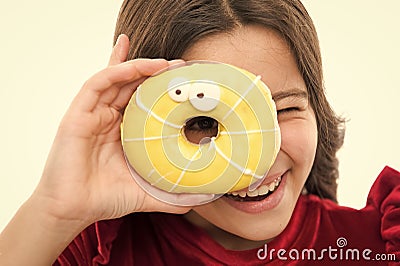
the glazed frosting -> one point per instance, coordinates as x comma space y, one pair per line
241, 153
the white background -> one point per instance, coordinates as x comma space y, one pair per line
49, 48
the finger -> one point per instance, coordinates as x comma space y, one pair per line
174, 199
120, 50
104, 86
121, 101
125, 94
151, 204
125, 73
176, 62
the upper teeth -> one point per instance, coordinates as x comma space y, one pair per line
262, 190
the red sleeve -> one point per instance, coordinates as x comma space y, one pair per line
385, 196
91, 247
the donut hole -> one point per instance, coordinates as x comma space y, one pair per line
200, 129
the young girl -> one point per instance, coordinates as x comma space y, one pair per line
87, 209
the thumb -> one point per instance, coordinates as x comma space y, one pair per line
120, 50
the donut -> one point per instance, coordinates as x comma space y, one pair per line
237, 105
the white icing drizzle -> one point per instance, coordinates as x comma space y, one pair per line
147, 110
151, 173
151, 138
236, 165
242, 97
185, 169
160, 178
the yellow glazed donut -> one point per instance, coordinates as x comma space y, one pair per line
239, 155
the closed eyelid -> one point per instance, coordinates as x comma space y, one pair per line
291, 93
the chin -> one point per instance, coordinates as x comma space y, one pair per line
248, 222
263, 226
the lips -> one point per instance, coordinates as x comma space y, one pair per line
265, 197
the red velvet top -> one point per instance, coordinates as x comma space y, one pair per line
320, 232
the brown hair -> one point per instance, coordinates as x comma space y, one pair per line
165, 29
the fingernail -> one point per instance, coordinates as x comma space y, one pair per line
176, 61
118, 40
207, 198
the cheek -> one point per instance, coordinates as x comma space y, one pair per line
299, 141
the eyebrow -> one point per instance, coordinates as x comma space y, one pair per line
295, 92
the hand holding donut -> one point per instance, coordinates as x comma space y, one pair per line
86, 176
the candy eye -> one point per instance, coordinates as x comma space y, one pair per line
204, 96
178, 89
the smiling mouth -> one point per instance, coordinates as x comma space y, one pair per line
258, 194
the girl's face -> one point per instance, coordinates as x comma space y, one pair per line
262, 52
